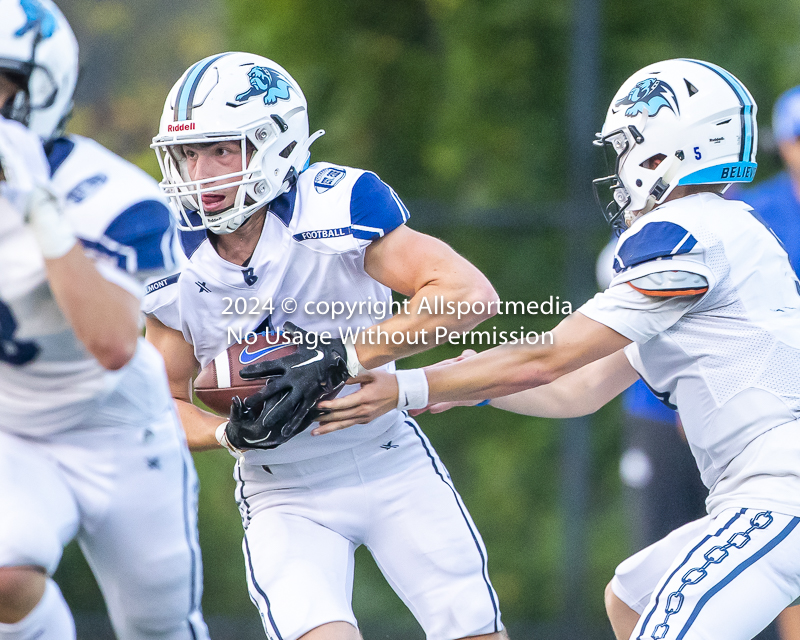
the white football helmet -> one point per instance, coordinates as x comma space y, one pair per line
677, 122
233, 96
39, 52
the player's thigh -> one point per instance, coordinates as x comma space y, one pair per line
636, 578
299, 572
141, 540
39, 512
425, 542
730, 582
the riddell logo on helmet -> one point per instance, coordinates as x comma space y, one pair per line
183, 126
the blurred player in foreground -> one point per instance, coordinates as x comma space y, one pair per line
90, 445
265, 229
706, 309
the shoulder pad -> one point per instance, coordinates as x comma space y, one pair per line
667, 284
657, 240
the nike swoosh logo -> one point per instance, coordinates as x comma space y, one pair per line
316, 358
249, 441
246, 357
269, 433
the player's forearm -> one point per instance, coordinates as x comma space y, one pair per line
493, 373
103, 316
421, 329
199, 426
508, 369
575, 394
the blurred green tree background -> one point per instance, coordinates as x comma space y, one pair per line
461, 106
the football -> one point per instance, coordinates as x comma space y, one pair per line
219, 381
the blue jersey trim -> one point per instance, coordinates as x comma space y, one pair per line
143, 227
57, 151
191, 240
660, 239
322, 234
375, 209
160, 284
283, 206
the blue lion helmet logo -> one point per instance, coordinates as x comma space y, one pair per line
651, 94
268, 82
36, 17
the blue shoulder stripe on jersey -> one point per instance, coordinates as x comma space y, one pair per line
120, 254
185, 98
747, 153
375, 208
283, 206
57, 151
660, 239
160, 284
147, 228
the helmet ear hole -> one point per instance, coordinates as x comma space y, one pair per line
653, 161
288, 149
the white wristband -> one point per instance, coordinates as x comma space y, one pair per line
412, 389
53, 233
354, 367
222, 438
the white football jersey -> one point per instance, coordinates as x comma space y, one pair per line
48, 381
727, 359
311, 251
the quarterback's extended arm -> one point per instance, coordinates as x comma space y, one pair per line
506, 370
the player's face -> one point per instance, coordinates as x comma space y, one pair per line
211, 160
7, 90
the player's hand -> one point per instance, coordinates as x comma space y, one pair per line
16, 180
440, 407
35, 199
285, 406
378, 395
245, 430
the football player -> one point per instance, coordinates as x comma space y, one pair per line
90, 444
273, 240
705, 308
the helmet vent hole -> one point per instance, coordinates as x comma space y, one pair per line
285, 153
719, 124
690, 87
653, 161
638, 183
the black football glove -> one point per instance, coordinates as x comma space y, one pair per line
285, 406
